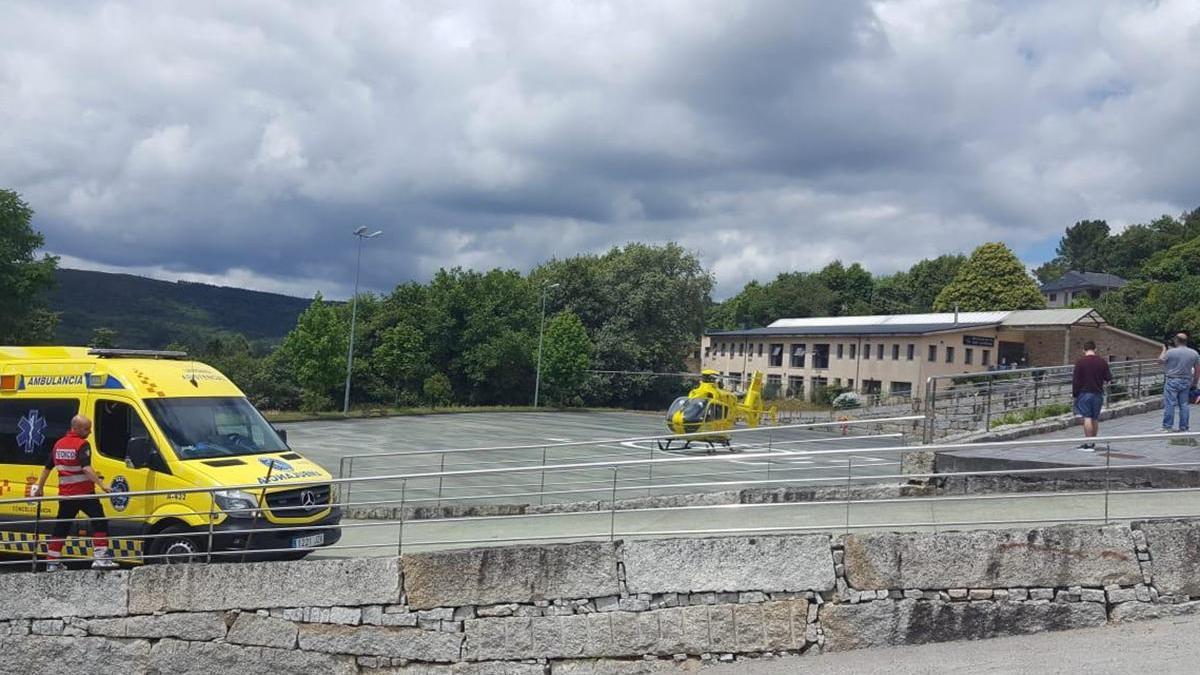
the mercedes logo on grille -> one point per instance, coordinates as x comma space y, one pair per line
308, 498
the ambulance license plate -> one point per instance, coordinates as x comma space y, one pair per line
309, 541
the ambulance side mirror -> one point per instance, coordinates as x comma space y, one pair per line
138, 452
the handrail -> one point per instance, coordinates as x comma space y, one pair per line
30, 548
734, 457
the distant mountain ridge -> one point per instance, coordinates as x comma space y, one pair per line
149, 313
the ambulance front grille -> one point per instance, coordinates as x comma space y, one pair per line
299, 503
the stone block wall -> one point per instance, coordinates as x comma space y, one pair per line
645, 606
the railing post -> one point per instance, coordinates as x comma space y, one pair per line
441, 470
650, 471
612, 506
1139, 381
542, 483
212, 516
1107, 466
349, 474
37, 535
987, 416
1036, 380
849, 477
400, 537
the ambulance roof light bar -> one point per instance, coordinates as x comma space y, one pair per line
136, 354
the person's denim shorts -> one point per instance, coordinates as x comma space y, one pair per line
1088, 404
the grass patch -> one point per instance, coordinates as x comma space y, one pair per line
282, 416
1018, 417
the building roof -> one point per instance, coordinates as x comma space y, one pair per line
919, 324
1073, 279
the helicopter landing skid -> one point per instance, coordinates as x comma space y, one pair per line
713, 444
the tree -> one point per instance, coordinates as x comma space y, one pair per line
316, 351
991, 279
24, 277
438, 390
566, 357
103, 338
1084, 246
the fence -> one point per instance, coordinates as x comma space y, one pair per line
609, 519
978, 402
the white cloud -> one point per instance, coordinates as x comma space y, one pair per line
241, 143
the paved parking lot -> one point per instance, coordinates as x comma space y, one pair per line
436, 443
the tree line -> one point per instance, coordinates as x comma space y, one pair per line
472, 337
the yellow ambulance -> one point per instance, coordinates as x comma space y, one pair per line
161, 422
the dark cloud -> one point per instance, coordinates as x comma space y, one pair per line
242, 142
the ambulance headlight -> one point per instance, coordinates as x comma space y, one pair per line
236, 504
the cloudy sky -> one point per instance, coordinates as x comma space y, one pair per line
241, 142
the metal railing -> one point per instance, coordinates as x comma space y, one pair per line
851, 512
982, 401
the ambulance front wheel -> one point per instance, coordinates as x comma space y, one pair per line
175, 545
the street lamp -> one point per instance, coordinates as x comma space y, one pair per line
537, 383
361, 233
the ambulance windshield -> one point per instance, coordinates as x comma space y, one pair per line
203, 428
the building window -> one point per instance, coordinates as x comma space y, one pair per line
798, 356
776, 356
742, 349
879, 351
872, 387
837, 381
795, 387
912, 352
985, 357
821, 355
896, 352
839, 350
932, 353
760, 349
866, 352
774, 383
902, 389
706, 351
850, 384
949, 354
1054, 297
853, 351
968, 356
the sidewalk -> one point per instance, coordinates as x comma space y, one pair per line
1164, 646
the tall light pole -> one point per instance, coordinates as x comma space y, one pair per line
537, 383
361, 233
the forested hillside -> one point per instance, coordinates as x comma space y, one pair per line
147, 313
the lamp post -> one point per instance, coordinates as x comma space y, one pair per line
537, 383
362, 234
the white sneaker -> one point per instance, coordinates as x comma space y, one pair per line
54, 567
103, 560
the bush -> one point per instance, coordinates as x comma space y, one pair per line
1030, 415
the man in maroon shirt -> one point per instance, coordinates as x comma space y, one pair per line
1087, 388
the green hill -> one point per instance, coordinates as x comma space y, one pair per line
148, 314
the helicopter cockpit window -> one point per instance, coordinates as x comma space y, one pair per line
716, 412
693, 409
675, 406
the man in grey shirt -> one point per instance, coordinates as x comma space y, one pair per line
1182, 365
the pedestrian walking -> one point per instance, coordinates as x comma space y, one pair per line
1087, 388
72, 457
1181, 366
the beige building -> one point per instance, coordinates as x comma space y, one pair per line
894, 355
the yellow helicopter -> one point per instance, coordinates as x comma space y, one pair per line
711, 411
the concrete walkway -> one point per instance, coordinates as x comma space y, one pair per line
1164, 646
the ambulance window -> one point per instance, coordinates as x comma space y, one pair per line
30, 427
116, 423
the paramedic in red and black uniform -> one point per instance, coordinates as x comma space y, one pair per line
72, 456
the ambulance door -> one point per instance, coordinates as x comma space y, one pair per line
114, 423
29, 428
